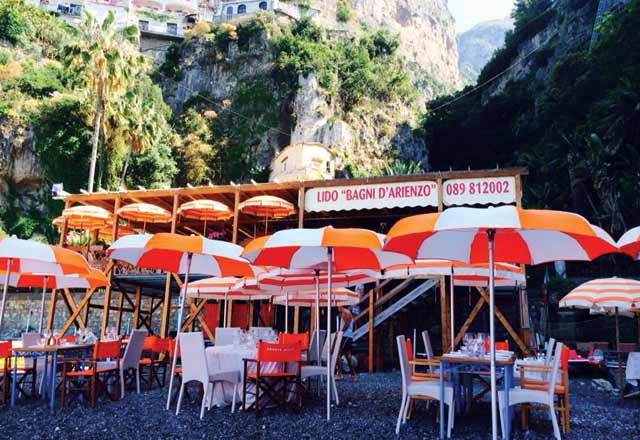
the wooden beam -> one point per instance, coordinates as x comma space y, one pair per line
230, 313
370, 324
469, 320
505, 323
65, 226
119, 315
72, 303
444, 322
193, 314
52, 309
136, 309
87, 307
166, 305
296, 318
76, 312
236, 202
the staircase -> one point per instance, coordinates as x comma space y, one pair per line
395, 307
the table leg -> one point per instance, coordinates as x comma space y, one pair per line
54, 367
442, 413
507, 375
43, 388
15, 379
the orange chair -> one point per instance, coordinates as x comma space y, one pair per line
274, 384
155, 356
25, 374
177, 374
5, 360
92, 375
502, 345
295, 338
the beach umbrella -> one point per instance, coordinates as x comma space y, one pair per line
339, 297
297, 280
227, 288
86, 216
267, 206
17, 256
606, 296
145, 213
93, 280
180, 254
329, 249
505, 234
629, 243
205, 210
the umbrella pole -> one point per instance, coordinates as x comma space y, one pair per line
204, 231
329, 369
286, 312
44, 293
318, 318
492, 337
452, 323
620, 379
4, 292
175, 348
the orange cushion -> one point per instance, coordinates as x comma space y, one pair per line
272, 374
146, 361
89, 372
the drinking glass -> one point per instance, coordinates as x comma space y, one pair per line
47, 336
56, 337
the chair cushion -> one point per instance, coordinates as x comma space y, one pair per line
429, 389
89, 372
312, 371
273, 374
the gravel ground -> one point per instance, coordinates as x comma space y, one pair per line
368, 409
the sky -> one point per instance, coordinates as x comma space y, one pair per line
470, 12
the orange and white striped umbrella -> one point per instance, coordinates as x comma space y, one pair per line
304, 280
174, 253
74, 224
223, 288
339, 297
86, 216
267, 206
207, 210
351, 249
463, 274
505, 234
144, 212
629, 243
521, 236
607, 293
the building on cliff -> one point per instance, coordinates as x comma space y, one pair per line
303, 161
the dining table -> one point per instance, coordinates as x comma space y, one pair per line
454, 365
48, 352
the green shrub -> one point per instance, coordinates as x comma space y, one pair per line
170, 67
12, 24
5, 57
343, 11
39, 81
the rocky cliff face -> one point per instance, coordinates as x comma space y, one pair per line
477, 45
427, 36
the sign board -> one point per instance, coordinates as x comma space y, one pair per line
479, 191
373, 196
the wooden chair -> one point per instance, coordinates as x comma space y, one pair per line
26, 373
154, 360
91, 376
274, 384
296, 338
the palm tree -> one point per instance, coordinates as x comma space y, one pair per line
107, 61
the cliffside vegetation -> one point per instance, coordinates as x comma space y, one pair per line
577, 130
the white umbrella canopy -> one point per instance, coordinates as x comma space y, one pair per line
505, 234
339, 297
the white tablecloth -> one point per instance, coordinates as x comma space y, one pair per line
229, 357
633, 368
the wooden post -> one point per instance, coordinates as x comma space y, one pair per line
106, 307
522, 291
136, 309
312, 323
65, 226
166, 305
296, 319
119, 315
150, 314
301, 207
444, 314
52, 309
236, 202
87, 308
230, 313
371, 304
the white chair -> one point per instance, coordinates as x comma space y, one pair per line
518, 396
131, 358
308, 371
225, 335
429, 390
194, 368
313, 344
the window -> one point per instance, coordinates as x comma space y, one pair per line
263, 6
242, 9
229, 12
172, 28
143, 25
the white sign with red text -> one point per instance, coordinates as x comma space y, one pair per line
374, 196
480, 191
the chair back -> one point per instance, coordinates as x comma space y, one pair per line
172, 348
313, 344
278, 352
557, 356
149, 342
5, 349
426, 339
133, 352
550, 345
409, 345
160, 346
405, 369
70, 339
104, 350
335, 353
194, 360
328, 342
564, 359
225, 335
30, 339
295, 338
502, 345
